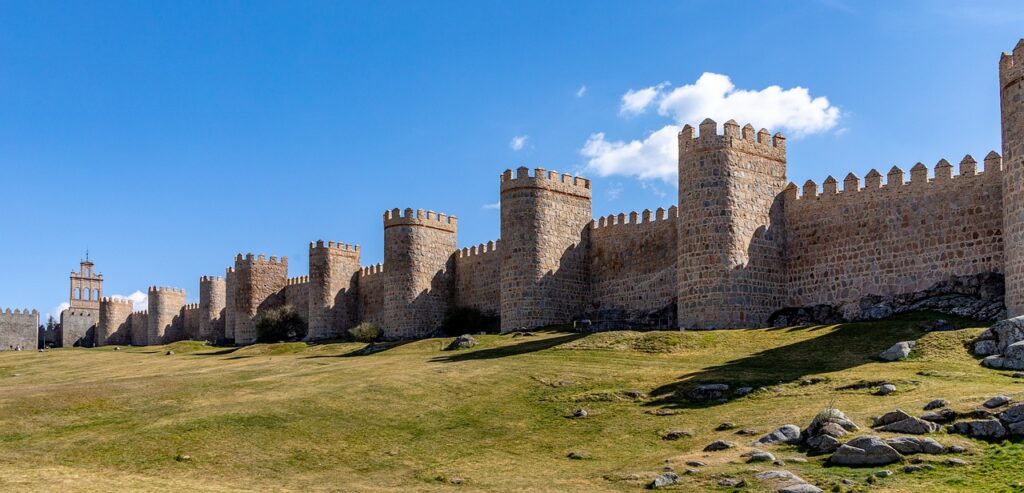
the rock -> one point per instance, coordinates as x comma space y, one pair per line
937, 326
742, 391
578, 455
886, 389
676, 434
915, 445
456, 480
117, 348
800, 488
914, 426
169, 352
717, 445
761, 457
827, 416
633, 394
696, 463
985, 348
465, 341
833, 430
1016, 429
936, 404
798, 460
748, 432
898, 351
1005, 333
182, 457
996, 401
665, 479
976, 414
890, 418
956, 449
580, 413
788, 434
822, 444
865, 450
884, 473
995, 362
916, 468
778, 476
1018, 374
725, 426
708, 392
731, 483
943, 416
987, 429
953, 461
691, 472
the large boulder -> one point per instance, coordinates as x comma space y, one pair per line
986, 429
664, 479
708, 392
1013, 414
465, 341
788, 434
898, 351
822, 444
936, 404
890, 417
865, 450
833, 416
996, 401
1005, 332
912, 425
915, 445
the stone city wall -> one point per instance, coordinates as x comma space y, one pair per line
114, 326
19, 330
260, 284
478, 278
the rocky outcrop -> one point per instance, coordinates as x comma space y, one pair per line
788, 434
979, 297
865, 450
898, 351
1002, 345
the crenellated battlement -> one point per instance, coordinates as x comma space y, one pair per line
481, 249
18, 311
745, 139
895, 179
123, 301
1011, 66
190, 306
295, 281
164, 289
420, 217
611, 222
211, 278
141, 312
250, 259
546, 180
370, 270
333, 246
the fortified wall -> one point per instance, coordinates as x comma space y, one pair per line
741, 244
19, 330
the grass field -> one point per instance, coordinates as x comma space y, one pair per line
297, 417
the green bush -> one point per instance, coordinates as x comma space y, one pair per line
460, 320
364, 332
280, 324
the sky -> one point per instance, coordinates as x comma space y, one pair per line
166, 137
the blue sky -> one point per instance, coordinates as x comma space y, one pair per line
168, 136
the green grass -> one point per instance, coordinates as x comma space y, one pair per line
297, 417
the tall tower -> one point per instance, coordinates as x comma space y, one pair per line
258, 285
212, 300
1011, 97
730, 253
113, 326
78, 323
418, 250
544, 243
86, 287
164, 322
332, 300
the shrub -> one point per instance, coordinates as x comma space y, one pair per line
364, 332
280, 324
460, 320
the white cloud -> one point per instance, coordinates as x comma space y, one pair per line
636, 102
715, 96
614, 191
496, 205
518, 142
56, 311
581, 91
140, 301
792, 111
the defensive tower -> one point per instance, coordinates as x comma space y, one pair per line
418, 248
332, 299
730, 245
86, 287
212, 300
259, 285
114, 326
163, 322
1011, 97
230, 287
544, 264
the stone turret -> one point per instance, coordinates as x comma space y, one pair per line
418, 248
730, 249
212, 302
114, 326
258, 285
332, 299
1011, 97
544, 248
164, 323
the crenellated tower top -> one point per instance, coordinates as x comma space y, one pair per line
744, 139
420, 217
547, 180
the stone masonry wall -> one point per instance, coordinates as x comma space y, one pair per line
478, 278
77, 327
892, 239
230, 307
372, 282
544, 248
633, 270
165, 323
139, 328
1011, 94
212, 302
114, 326
419, 270
19, 329
296, 295
259, 285
333, 301
730, 238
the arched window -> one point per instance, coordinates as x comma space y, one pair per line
78, 294
96, 294
86, 295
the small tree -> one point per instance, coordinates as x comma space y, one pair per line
280, 324
364, 332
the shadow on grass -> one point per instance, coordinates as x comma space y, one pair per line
367, 350
838, 347
529, 346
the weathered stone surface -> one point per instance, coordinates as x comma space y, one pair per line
886, 389
936, 404
708, 392
799, 488
464, 341
898, 351
914, 426
1016, 429
986, 347
997, 401
915, 445
788, 434
1013, 414
890, 417
943, 416
676, 434
1004, 333
822, 444
987, 429
718, 445
865, 451
665, 479
761, 457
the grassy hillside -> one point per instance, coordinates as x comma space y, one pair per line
292, 417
